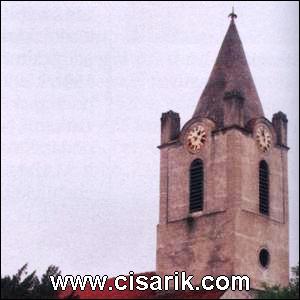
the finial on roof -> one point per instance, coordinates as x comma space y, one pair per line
232, 15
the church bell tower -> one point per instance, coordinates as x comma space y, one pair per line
223, 180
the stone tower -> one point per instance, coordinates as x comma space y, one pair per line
223, 180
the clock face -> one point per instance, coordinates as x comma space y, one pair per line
196, 138
263, 138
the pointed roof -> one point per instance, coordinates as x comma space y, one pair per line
230, 73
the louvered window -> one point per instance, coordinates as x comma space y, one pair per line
263, 188
196, 185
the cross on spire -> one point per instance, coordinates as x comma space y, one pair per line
232, 15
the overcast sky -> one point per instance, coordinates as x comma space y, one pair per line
83, 88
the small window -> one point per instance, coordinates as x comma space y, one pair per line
196, 186
263, 188
264, 258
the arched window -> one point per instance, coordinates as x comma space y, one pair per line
264, 258
196, 185
263, 188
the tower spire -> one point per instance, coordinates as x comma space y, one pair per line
230, 76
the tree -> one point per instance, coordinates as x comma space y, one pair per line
277, 292
31, 287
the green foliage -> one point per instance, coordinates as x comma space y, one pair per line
277, 292
30, 286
